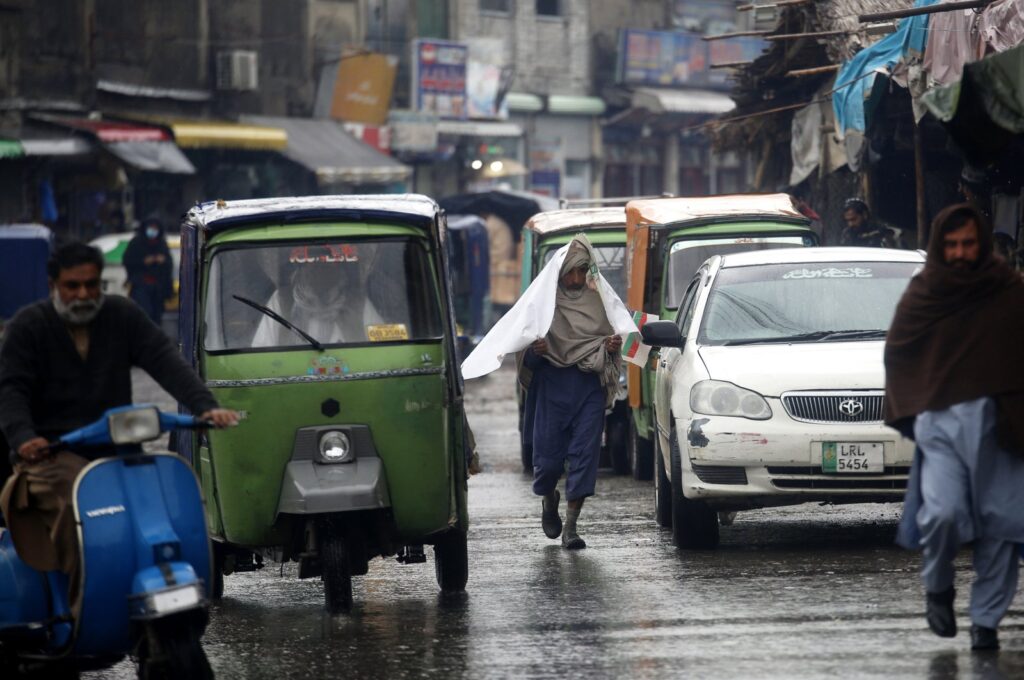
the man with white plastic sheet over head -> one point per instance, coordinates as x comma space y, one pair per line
567, 330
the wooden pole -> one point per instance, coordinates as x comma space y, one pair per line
797, 36
737, 34
918, 11
922, 212
813, 71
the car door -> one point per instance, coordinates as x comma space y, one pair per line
669, 358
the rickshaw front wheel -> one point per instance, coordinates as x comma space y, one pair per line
334, 561
451, 561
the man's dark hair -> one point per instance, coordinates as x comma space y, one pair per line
858, 205
71, 255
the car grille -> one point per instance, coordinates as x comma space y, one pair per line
835, 407
893, 478
720, 474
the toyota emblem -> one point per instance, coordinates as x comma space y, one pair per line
851, 407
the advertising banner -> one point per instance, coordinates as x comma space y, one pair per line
679, 59
362, 91
439, 78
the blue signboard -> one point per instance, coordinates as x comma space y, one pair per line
439, 78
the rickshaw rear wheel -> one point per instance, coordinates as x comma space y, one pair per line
337, 576
451, 561
217, 577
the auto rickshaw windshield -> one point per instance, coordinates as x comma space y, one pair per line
611, 260
337, 293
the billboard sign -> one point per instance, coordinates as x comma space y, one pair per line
439, 78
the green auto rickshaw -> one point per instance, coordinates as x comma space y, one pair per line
669, 239
328, 321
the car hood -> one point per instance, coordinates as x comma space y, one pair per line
774, 369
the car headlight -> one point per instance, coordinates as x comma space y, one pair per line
335, 447
719, 398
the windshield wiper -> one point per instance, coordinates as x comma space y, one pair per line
281, 320
813, 336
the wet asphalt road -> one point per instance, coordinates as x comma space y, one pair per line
806, 592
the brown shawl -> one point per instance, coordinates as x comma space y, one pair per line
958, 335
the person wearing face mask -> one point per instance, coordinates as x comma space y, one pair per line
63, 363
148, 264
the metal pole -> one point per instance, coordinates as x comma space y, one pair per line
922, 213
918, 11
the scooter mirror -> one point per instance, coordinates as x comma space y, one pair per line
134, 426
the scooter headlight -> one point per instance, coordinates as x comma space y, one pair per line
134, 426
335, 447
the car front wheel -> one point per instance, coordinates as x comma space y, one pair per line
694, 524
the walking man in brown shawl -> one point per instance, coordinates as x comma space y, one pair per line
571, 376
955, 382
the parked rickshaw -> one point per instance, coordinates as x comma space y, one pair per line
545, 233
330, 318
669, 239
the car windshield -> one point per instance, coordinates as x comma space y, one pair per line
330, 293
820, 301
686, 257
611, 260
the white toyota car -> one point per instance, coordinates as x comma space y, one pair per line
769, 387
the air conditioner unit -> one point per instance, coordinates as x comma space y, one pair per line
237, 70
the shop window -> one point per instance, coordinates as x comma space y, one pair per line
496, 6
549, 8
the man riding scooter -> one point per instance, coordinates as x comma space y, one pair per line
63, 363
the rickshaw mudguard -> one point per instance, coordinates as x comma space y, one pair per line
311, 488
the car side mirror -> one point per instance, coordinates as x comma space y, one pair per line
662, 334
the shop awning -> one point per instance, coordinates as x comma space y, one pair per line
334, 155
575, 105
144, 147
220, 134
479, 128
524, 102
658, 100
11, 148
36, 140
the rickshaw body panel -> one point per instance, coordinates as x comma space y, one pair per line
393, 390
653, 226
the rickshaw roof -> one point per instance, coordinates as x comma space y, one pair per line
576, 219
675, 210
217, 215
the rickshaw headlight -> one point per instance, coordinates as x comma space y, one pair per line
335, 447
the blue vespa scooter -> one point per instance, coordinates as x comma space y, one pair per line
146, 564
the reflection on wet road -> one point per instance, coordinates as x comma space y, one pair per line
807, 592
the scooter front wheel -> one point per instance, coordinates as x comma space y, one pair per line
337, 575
171, 649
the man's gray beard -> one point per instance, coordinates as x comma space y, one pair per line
79, 312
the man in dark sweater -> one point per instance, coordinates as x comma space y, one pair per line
65, 361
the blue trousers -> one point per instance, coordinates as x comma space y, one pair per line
971, 492
567, 423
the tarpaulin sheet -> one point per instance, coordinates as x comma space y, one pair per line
985, 107
530, 319
856, 78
